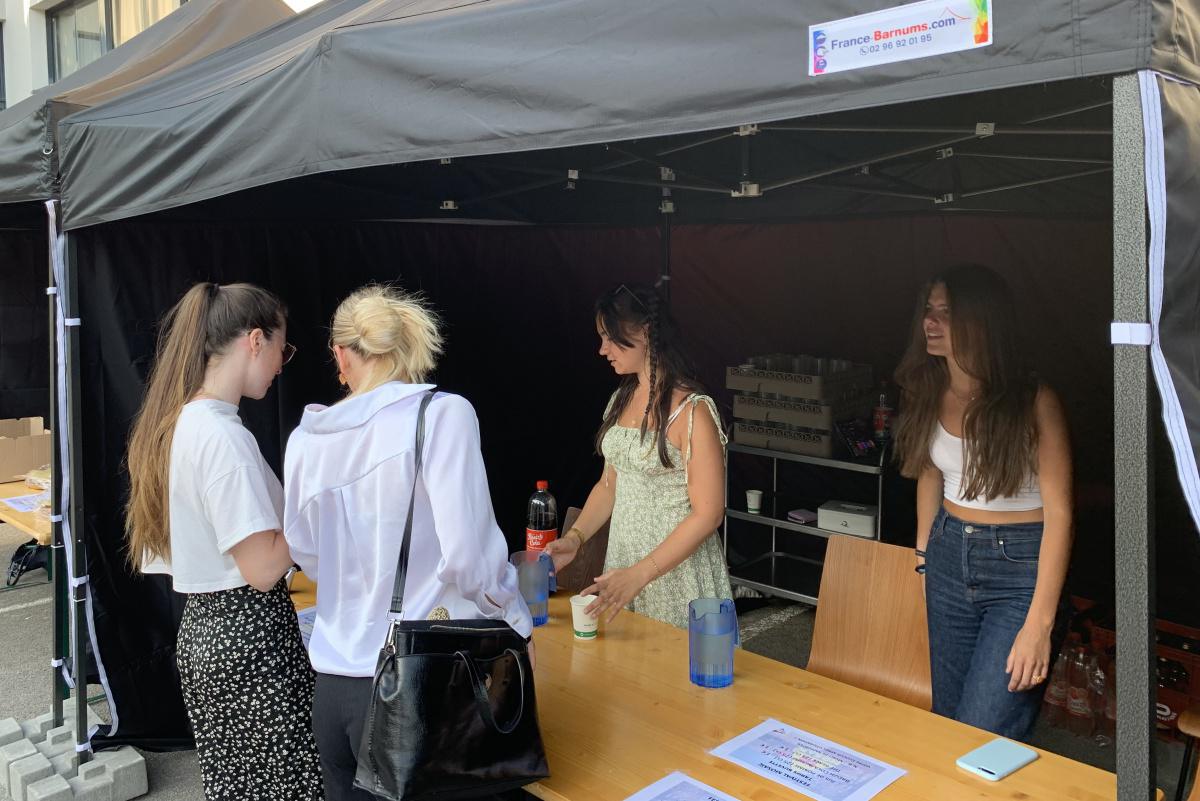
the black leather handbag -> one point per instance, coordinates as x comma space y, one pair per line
452, 712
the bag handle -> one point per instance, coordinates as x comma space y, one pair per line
397, 607
481, 697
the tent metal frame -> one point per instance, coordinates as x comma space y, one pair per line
1133, 476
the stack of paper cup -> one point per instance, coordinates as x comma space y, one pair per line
585, 625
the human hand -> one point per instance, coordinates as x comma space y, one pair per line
1029, 659
614, 590
563, 551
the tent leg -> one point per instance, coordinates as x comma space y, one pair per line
74, 469
59, 621
664, 278
1135, 562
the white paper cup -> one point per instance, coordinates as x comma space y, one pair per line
585, 625
754, 501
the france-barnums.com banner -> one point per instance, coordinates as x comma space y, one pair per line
916, 30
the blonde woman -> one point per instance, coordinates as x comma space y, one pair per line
205, 508
349, 474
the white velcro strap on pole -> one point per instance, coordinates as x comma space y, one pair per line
56, 518
81, 747
1132, 334
56, 663
51, 290
79, 581
72, 322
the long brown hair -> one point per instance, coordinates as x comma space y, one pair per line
999, 425
201, 325
630, 308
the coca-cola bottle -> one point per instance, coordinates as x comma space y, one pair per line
1108, 718
1098, 681
1079, 690
1054, 702
541, 526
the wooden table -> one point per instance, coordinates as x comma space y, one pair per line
34, 525
619, 713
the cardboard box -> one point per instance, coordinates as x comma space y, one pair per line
829, 388
24, 446
809, 414
843, 517
808, 443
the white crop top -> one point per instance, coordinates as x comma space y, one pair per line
946, 451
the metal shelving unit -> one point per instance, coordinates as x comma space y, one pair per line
777, 572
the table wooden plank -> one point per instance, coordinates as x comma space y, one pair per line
618, 713
34, 525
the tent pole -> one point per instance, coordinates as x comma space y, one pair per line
1134, 491
58, 616
1000, 130
1039, 182
74, 468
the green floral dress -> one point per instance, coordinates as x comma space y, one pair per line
651, 500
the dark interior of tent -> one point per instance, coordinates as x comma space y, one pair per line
841, 221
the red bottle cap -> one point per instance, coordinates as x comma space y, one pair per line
543, 485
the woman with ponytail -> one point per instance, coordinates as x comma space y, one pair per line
663, 485
205, 508
349, 472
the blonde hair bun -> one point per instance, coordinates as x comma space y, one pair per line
395, 330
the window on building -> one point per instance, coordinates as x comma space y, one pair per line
80, 31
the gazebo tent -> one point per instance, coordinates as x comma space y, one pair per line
29, 166
29, 178
536, 88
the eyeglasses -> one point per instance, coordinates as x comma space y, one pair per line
289, 350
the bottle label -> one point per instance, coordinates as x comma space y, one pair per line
1056, 694
538, 539
1077, 702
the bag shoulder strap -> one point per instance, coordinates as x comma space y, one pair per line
397, 607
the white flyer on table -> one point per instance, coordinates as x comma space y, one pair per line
808, 764
679, 787
307, 618
25, 503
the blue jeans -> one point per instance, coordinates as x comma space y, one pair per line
979, 582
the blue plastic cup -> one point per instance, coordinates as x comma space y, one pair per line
533, 578
712, 636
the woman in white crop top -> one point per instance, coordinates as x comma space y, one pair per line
205, 508
988, 446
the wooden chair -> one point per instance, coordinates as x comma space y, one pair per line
870, 629
1189, 727
590, 561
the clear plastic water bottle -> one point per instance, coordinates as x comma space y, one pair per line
541, 527
1079, 702
1054, 702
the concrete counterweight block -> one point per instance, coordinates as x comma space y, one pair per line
14, 752
58, 741
52, 788
25, 772
10, 731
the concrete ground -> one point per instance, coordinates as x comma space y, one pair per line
777, 629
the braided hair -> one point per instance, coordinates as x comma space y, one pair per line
622, 312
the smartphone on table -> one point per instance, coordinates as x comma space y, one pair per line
997, 759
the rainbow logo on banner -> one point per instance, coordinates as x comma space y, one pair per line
982, 33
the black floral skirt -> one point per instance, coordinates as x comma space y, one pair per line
248, 688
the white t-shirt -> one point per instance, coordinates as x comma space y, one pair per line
221, 491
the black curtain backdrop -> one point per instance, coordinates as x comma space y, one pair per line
24, 346
521, 346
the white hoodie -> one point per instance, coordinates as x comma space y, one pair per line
348, 477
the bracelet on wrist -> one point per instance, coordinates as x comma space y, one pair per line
578, 534
919, 553
654, 564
